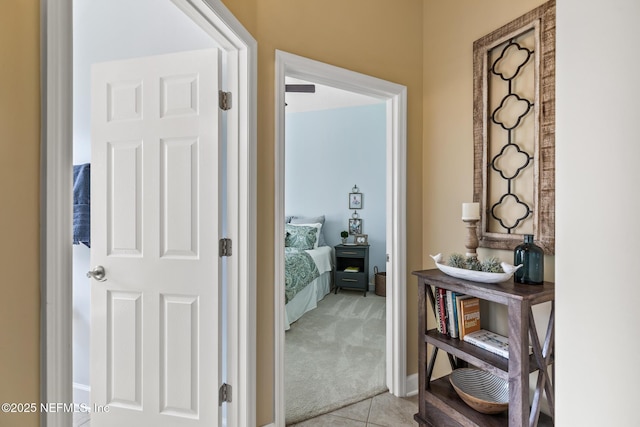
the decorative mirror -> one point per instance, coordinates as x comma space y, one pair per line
514, 131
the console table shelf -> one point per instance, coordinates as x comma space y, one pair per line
443, 401
439, 405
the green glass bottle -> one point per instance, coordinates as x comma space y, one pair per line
531, 257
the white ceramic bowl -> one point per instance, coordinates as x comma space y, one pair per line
476, 276
481, 390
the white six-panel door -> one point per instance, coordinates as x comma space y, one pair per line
155, 224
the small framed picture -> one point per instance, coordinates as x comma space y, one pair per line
361, 239
355, 226
355, 200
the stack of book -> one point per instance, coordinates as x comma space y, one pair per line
352, 269
490, 341
458, 316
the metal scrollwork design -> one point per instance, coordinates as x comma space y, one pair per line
514, 131
509, 115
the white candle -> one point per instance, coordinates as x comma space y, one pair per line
470, 211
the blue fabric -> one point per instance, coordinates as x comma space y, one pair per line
82, 204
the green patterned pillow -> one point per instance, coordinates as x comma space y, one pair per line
301, 236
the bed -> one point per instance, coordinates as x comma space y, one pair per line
308, 267
306, 297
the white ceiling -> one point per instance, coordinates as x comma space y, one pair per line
325, 98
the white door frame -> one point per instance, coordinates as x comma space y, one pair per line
395, 96
56, 203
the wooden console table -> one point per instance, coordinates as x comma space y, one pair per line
439, 405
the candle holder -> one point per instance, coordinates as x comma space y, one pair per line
472, 237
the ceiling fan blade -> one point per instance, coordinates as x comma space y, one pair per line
300, 88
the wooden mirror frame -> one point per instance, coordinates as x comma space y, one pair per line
542, 20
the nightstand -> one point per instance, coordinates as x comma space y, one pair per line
355, 258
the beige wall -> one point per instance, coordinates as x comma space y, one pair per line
450, 28
19, 207
432, 56
378, 38
429, 51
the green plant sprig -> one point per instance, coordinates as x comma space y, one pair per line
490, 265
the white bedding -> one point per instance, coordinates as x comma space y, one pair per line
322, 256
307, 299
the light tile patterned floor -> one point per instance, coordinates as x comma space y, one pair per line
382, 410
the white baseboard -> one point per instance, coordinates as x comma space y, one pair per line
269, 425
411, 386
81, 394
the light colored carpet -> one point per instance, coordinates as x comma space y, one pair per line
335, 355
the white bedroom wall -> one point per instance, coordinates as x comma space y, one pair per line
328, 152
107, 30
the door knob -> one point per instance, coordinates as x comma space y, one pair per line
97, 273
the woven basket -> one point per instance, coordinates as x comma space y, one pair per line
380, 279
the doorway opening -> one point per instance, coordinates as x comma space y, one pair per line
335, 324
96, 40
240, 64
394, 98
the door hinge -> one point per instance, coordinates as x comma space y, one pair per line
225, 100
224, 394
225, 247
